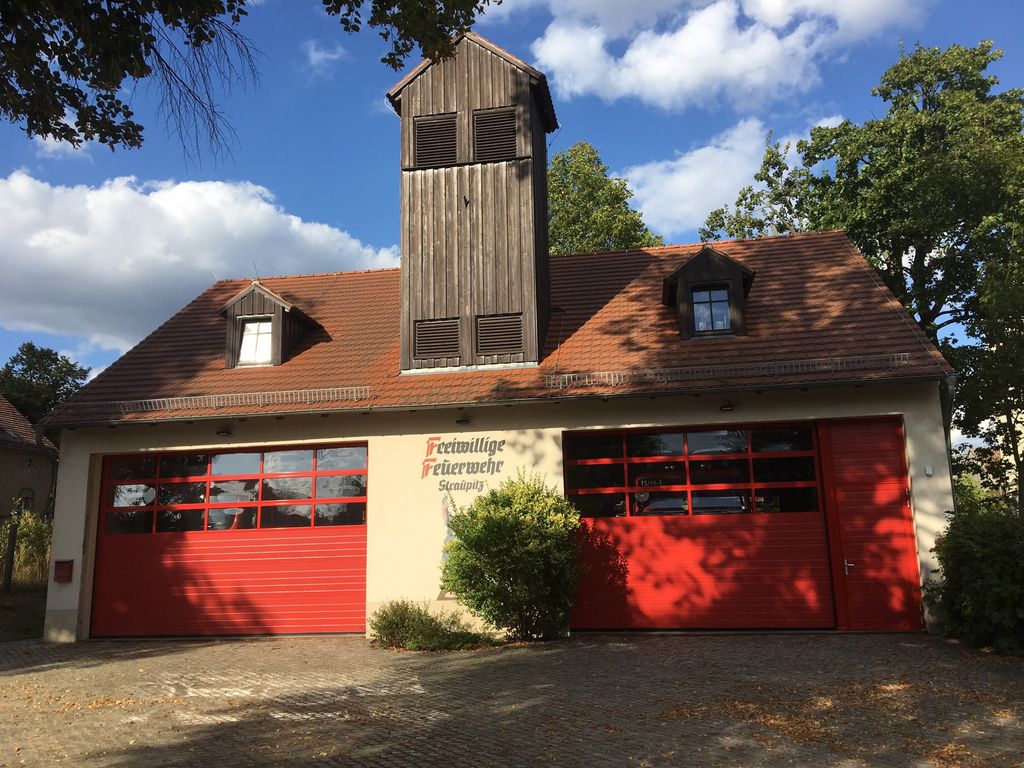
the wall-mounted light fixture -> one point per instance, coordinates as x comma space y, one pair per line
224, 432
463, 418
726, 407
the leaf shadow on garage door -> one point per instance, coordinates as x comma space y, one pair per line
706, 572
183, 584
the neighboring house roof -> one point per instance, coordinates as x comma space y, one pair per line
817, 314
17, 431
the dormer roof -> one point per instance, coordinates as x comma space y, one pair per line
707, 260
257, 287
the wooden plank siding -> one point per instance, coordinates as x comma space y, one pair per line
471, 240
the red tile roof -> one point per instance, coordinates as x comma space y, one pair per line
16, 430
817, 313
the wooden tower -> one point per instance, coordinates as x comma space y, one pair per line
474, 237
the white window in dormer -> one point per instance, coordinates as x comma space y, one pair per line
256, 348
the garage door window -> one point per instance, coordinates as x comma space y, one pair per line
237, 490
722, 471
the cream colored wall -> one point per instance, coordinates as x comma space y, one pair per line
406, 527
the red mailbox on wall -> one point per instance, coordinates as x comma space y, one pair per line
62, 570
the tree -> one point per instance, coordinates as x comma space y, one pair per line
589, 210
990, 394
36, 379
925, 192
66, 64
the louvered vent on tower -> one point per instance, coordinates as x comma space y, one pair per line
499, 334
434, 138
437, 338
494, 135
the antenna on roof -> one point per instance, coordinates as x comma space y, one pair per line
256, 271
215, 278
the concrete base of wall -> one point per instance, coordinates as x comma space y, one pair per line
61, 626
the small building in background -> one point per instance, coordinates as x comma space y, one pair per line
28, 464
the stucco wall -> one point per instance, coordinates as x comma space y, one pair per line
405, 514
24, 469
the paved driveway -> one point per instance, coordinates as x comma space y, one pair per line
602, 700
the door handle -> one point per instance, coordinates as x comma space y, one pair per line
847, 565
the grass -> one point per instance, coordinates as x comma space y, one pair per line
22, 611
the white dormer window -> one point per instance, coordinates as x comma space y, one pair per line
256, 347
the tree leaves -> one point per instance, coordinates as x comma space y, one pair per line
65, 64
588, 210
36, 379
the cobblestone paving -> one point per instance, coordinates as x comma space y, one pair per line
616, 700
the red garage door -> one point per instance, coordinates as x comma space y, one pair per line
238, 542
874, 554
701, 529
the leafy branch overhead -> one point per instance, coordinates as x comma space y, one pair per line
68, 66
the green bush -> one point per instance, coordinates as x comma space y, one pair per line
981, 595
32, 554
408, 625
514, 560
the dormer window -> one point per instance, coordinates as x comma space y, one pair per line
709, 294
257, 341
262, 328
711, 310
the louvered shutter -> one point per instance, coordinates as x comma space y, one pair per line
437, 338
499, 334
435, 141
494, 135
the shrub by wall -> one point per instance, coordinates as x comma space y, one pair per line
405, 624
514, 561
981, 596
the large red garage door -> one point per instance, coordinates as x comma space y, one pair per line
781, 526
238, 542
701, 529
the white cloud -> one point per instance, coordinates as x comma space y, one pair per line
851, 19
698, 52
49, 148
711, 56
676, 195
320, 59
107, 264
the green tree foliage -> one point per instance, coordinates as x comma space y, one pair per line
925, 192
32, 551
981, 595
990, 395
36, 379
514, 560
66, 64
587, 209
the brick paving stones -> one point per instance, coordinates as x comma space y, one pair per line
600, 700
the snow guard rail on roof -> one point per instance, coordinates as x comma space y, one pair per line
724, 372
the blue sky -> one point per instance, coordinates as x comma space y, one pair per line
98, 248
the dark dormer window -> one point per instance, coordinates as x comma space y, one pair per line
711, 309
262, 327
256, 343
709, 294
